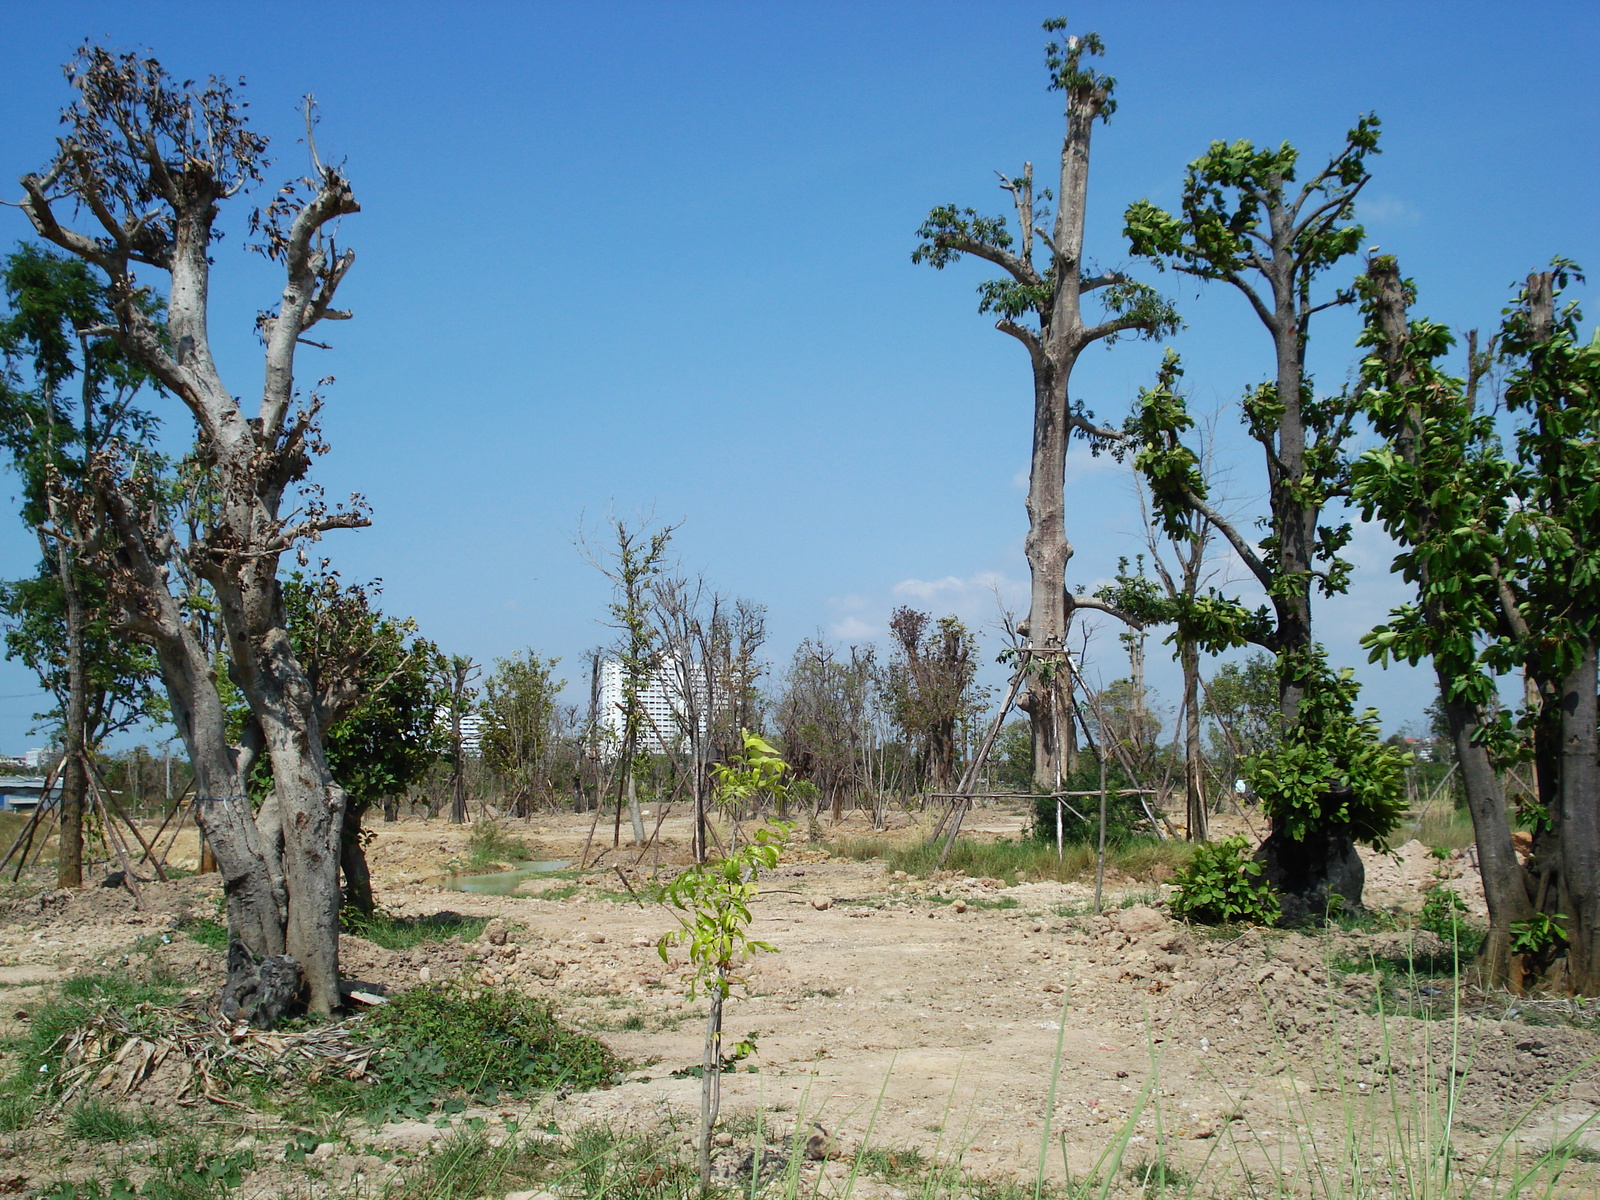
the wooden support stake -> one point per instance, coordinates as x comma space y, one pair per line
969, 777
129, 880
110, 796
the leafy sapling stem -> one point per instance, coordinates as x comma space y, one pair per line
711, 902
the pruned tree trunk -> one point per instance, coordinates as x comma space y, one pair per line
1507, 889
353, 861
149, 163
1580, 822
1054, 296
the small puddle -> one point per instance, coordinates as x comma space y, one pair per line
503, 883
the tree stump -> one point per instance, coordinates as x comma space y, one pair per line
1308, 874
260, 991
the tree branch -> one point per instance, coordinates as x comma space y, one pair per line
1222, 525
1023, 334
1017, 267
1096, 604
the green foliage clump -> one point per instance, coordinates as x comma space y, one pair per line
1539, 934
1080, 819
1332, 770
491, 845
450, 1045
1221, 885
392, 932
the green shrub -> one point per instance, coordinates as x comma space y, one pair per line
1222, 885
490, 844
451, 1045
1080, 817
1441, 912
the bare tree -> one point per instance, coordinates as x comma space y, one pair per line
928, 685
1042, 307
709, 665
146, 164
634, 567
824, 715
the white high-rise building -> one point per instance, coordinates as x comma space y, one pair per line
661, 729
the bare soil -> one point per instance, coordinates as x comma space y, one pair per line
937, 1014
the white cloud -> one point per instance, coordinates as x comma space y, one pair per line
852, 629
970, 597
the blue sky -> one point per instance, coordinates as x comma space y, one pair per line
656, 258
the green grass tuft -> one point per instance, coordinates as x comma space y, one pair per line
96, 1121
402, 933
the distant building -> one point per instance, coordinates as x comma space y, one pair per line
1425, 749
663, 724
35, 758
23, 793
471, 729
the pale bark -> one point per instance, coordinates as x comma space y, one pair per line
284, 900
1197, 817
1507, 887
1580, 822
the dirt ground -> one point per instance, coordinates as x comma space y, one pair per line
939, 1014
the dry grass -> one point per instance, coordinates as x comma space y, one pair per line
1444, 828
1144, 859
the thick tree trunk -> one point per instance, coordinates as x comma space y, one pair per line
1506, 886
1580, 823
357, 892
1308, 874
74, 769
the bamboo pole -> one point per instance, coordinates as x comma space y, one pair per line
969, 777
33, 821
126, 820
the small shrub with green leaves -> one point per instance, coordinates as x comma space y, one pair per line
1222, 885
1539, 934
1442, 910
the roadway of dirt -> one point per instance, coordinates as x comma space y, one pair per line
938, 1014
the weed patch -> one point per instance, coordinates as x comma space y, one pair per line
491, 844
185, 1169
393, 932
446, 1046
96, 1121
1142, 858
209, 933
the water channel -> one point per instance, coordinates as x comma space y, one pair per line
503, 883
